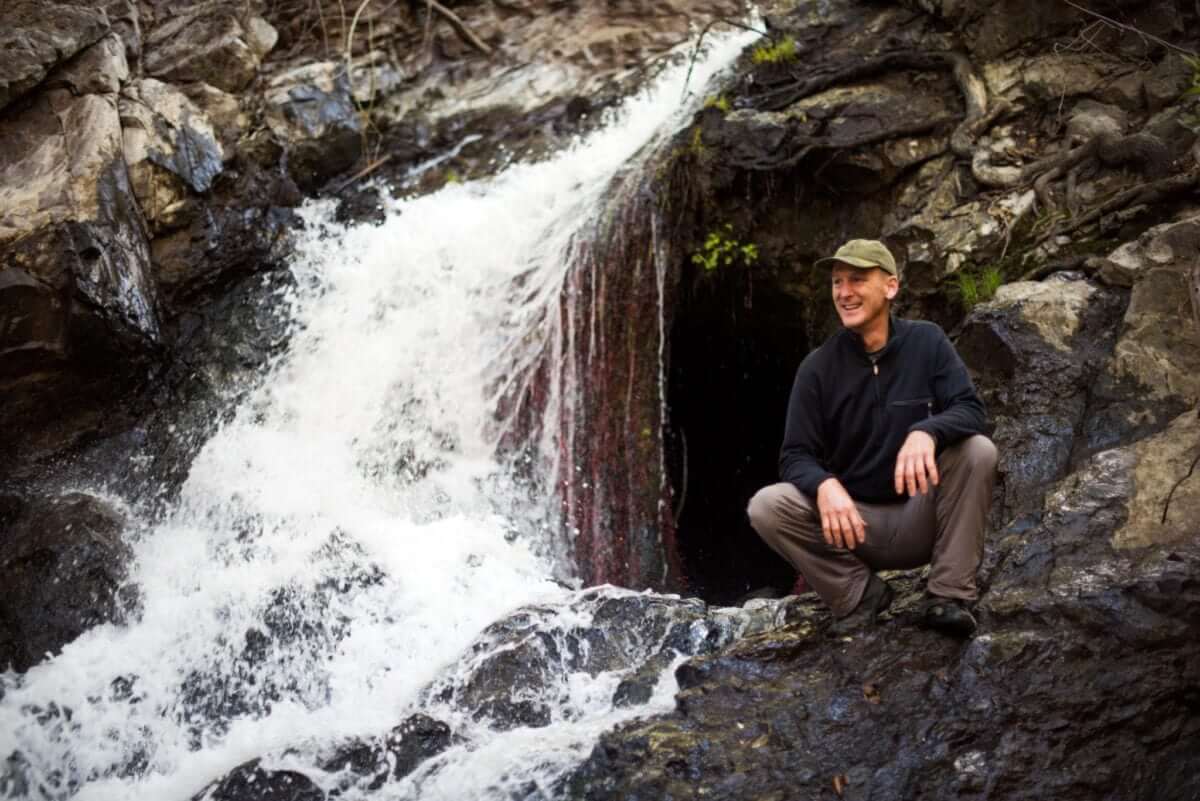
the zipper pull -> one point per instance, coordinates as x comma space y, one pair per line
875, 367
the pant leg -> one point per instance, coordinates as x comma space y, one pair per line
945, 528
788, 522
967, 473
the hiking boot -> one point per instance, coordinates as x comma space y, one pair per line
950, 616
876, 598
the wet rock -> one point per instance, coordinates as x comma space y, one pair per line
78, 306
62, 570
34, 36
1035, 351
313, 116
170, 148
395, 755
217, 42
253, 782
527, 658
900, 712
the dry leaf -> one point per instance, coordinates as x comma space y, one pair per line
839, 784
871, 693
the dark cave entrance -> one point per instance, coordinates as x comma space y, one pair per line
736, 342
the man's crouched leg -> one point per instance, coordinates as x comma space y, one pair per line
788, 521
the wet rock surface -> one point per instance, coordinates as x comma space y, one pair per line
62, 570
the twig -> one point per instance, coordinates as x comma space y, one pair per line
364, 172
460, 27
700, 40
1130, 28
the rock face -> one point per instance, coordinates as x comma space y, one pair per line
62, 570
36, 38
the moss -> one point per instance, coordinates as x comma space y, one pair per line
720, 102
782, 52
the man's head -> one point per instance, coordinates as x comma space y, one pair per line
864, 282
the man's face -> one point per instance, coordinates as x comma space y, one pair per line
862, 295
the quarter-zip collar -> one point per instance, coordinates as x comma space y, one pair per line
896, 332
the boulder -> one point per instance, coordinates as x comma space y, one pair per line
78, 306
1154, 371
170, 147
34, 38
100, 69
218, 42
62, 570
1035, 350
312, 114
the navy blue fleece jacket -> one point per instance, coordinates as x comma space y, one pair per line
847, 417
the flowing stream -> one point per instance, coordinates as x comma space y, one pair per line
341, 544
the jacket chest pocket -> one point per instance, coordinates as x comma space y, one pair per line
907, 412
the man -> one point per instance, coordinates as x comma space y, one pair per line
883, 465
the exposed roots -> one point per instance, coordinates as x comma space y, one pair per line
1141, 195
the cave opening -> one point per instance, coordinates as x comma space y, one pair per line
736, 342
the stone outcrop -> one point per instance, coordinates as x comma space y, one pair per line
34, 41
63, 569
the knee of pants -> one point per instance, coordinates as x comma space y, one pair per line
761, 509
771, 503
980, 452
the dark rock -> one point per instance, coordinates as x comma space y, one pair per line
314, 118
78, 307
34, 36
63, 566
218, 42
1035, 351
252, 782
395, 755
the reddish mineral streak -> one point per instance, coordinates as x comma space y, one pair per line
600, 383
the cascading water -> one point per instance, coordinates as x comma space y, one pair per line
339, 546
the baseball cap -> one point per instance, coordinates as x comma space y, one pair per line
864, 253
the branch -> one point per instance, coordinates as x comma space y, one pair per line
1130, 29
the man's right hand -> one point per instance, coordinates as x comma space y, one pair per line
841, 523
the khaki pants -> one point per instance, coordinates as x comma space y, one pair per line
944, 527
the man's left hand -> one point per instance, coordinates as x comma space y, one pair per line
916, 464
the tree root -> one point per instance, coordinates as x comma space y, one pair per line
1142, 194
460, 27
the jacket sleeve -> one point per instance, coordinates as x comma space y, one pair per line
804, 448
962, 413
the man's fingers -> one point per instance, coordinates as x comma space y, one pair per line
898, 479
919, 469
931, 466
827, 529
860, 528
910, 480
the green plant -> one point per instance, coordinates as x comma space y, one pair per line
721, 248
719, 102
978, 287
1194, 63
781, 52
989, 281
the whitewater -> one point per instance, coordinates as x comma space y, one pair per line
341, 543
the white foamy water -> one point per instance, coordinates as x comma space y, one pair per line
342, 542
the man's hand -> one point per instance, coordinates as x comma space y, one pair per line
841, 523
916, 464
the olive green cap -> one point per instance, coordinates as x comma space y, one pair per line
864, 253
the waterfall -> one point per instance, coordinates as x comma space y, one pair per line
339, 545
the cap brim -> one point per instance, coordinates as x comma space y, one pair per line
852, 261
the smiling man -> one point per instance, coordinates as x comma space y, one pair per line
883, 465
